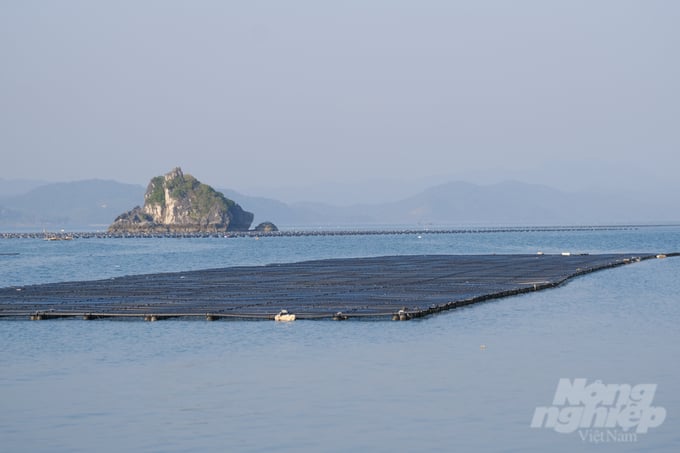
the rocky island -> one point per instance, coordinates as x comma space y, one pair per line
179, 203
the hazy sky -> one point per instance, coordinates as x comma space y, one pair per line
254, 94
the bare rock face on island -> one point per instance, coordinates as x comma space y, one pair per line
179, 203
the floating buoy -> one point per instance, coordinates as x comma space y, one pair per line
401, 315
284, 316
339, 316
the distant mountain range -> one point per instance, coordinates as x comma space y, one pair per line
94, 204
10, 188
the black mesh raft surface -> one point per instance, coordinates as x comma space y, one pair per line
394, 287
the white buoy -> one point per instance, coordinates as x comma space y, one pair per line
284, 316
403, 315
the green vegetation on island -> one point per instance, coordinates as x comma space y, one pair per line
178, 202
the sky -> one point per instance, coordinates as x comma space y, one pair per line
259, 95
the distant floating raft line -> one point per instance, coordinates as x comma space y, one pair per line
378, 287
323, 232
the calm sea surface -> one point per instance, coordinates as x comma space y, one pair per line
422, 385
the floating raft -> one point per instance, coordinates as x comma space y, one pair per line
394, 287
56, 236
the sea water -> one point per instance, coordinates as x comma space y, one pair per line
466, 380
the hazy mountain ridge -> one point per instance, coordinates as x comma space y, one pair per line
460, 203
14, 187
278, 211
79, 203
95, 203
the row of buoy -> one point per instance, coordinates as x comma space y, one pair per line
282, 316
286, 316
299, 233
